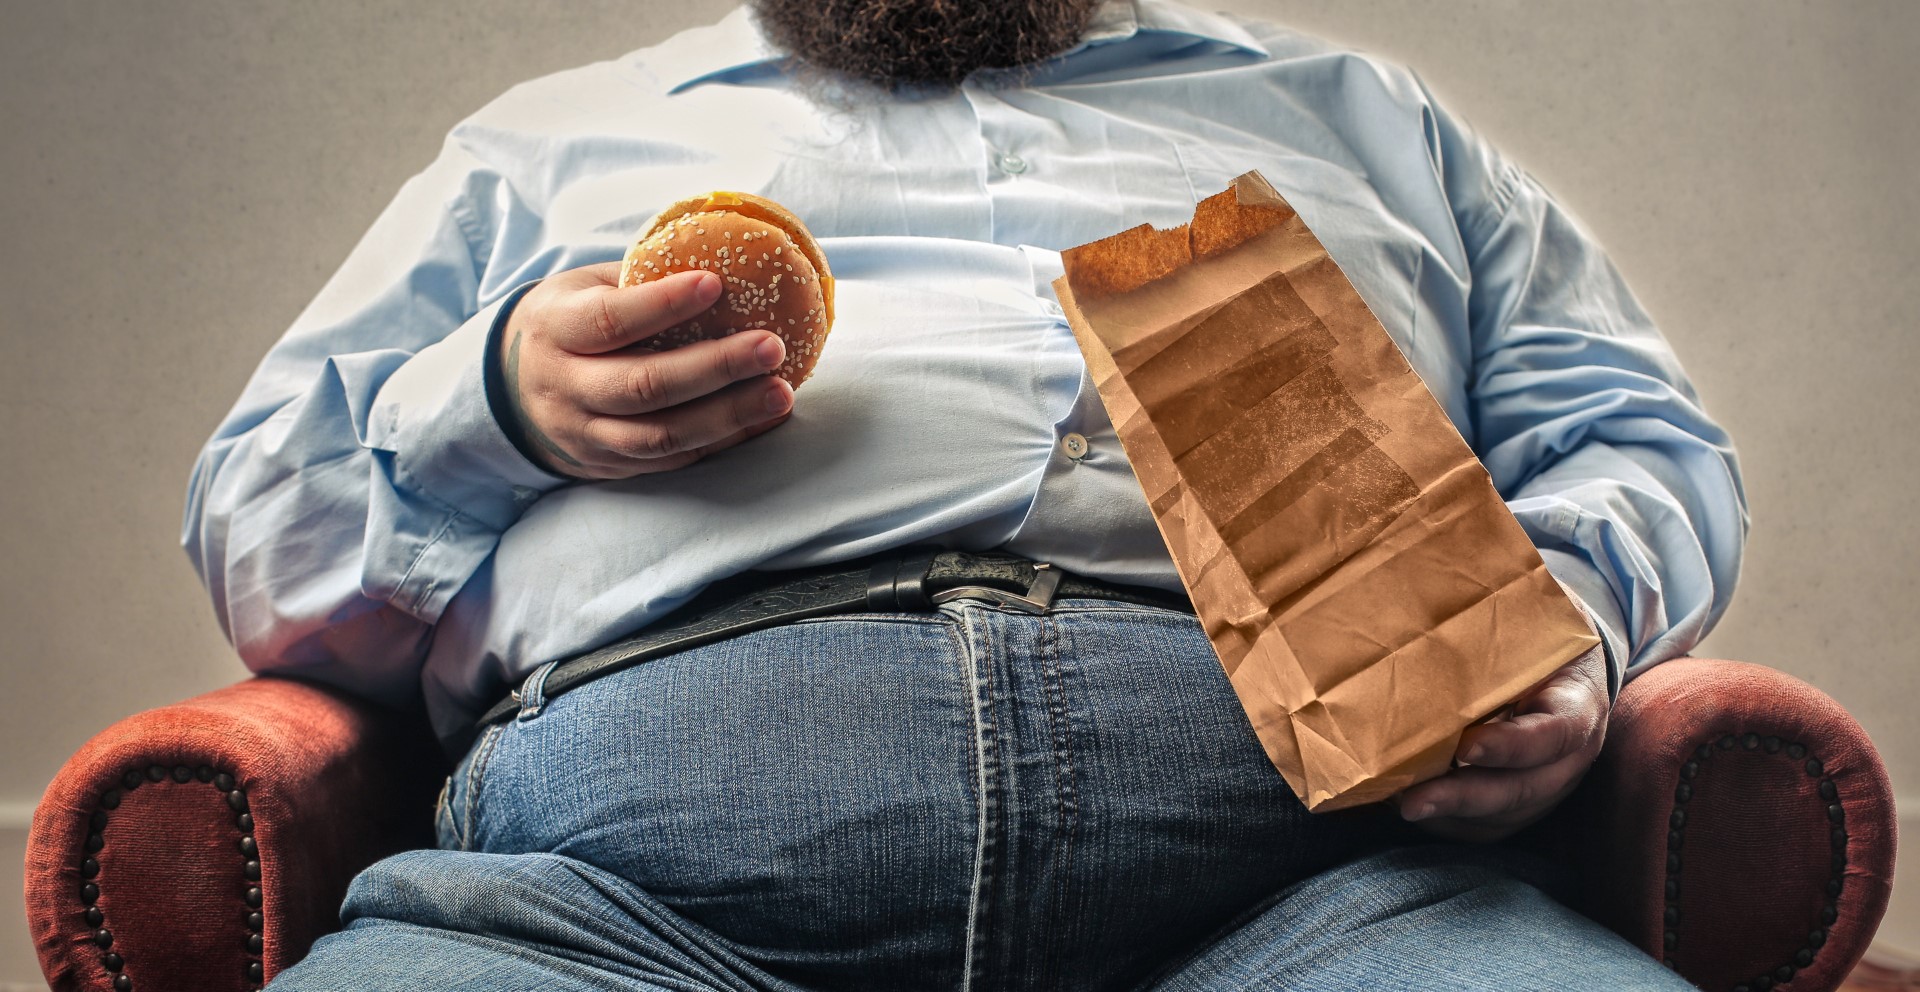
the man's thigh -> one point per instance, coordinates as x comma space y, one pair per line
1441, 917
435, 920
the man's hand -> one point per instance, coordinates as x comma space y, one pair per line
1521, 766
596, 408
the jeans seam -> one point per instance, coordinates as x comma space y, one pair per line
470, 801
979, 697
443, 810
1066, 798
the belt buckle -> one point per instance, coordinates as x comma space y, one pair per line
1039, 595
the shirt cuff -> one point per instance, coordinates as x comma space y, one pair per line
432, 414
1592, 594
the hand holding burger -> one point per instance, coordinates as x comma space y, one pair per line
649, 364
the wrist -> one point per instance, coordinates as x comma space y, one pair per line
501, 385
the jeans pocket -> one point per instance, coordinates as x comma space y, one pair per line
460, 794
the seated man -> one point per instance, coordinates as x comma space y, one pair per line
966, 797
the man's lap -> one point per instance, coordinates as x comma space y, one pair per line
1443, 916
1069, 801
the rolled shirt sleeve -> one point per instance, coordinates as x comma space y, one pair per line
1585, 420
361, 478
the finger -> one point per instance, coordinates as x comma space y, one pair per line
598, 320
744, 435
645, 381
627, 469
1525, 741
676, 431
1482, 793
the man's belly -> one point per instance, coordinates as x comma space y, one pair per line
937, 414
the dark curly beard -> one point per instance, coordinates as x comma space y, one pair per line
895, 43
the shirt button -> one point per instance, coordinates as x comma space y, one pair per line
1012, 164
1075, 446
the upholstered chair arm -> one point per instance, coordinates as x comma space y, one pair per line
205, 845
1738, 825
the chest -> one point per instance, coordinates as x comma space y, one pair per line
1053, 167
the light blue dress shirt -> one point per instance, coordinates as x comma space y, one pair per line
360, 518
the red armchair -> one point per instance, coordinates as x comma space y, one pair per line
1738, 825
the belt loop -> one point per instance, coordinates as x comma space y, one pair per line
899, 584
910, 588
533, 692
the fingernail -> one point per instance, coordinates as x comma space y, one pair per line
1474, 753
778, 398
770, 352
708, 289
1419, 812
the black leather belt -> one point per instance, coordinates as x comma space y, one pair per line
916, 580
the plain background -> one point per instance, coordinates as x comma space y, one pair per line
178, 179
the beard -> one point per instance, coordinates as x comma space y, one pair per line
905, 43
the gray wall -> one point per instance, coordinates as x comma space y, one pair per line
180, 178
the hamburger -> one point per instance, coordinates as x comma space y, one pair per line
773, 274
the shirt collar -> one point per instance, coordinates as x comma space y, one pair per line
735, 46
1121, 20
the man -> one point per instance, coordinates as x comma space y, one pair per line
453, 473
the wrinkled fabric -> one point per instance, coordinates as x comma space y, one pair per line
360, 518
973, 799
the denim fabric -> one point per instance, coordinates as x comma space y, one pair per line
970, 799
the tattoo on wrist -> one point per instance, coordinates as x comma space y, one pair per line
519, 407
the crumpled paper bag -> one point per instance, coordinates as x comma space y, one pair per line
1362, 582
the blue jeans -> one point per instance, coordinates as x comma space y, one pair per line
970, 799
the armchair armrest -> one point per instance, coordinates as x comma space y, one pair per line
1738, 825
207, 844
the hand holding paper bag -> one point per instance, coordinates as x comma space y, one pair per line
1517, 768
1362, 582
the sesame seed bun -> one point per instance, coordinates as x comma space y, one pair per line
773, 274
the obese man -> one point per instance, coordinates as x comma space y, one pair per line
454, 472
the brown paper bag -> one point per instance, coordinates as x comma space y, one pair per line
1365, 587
